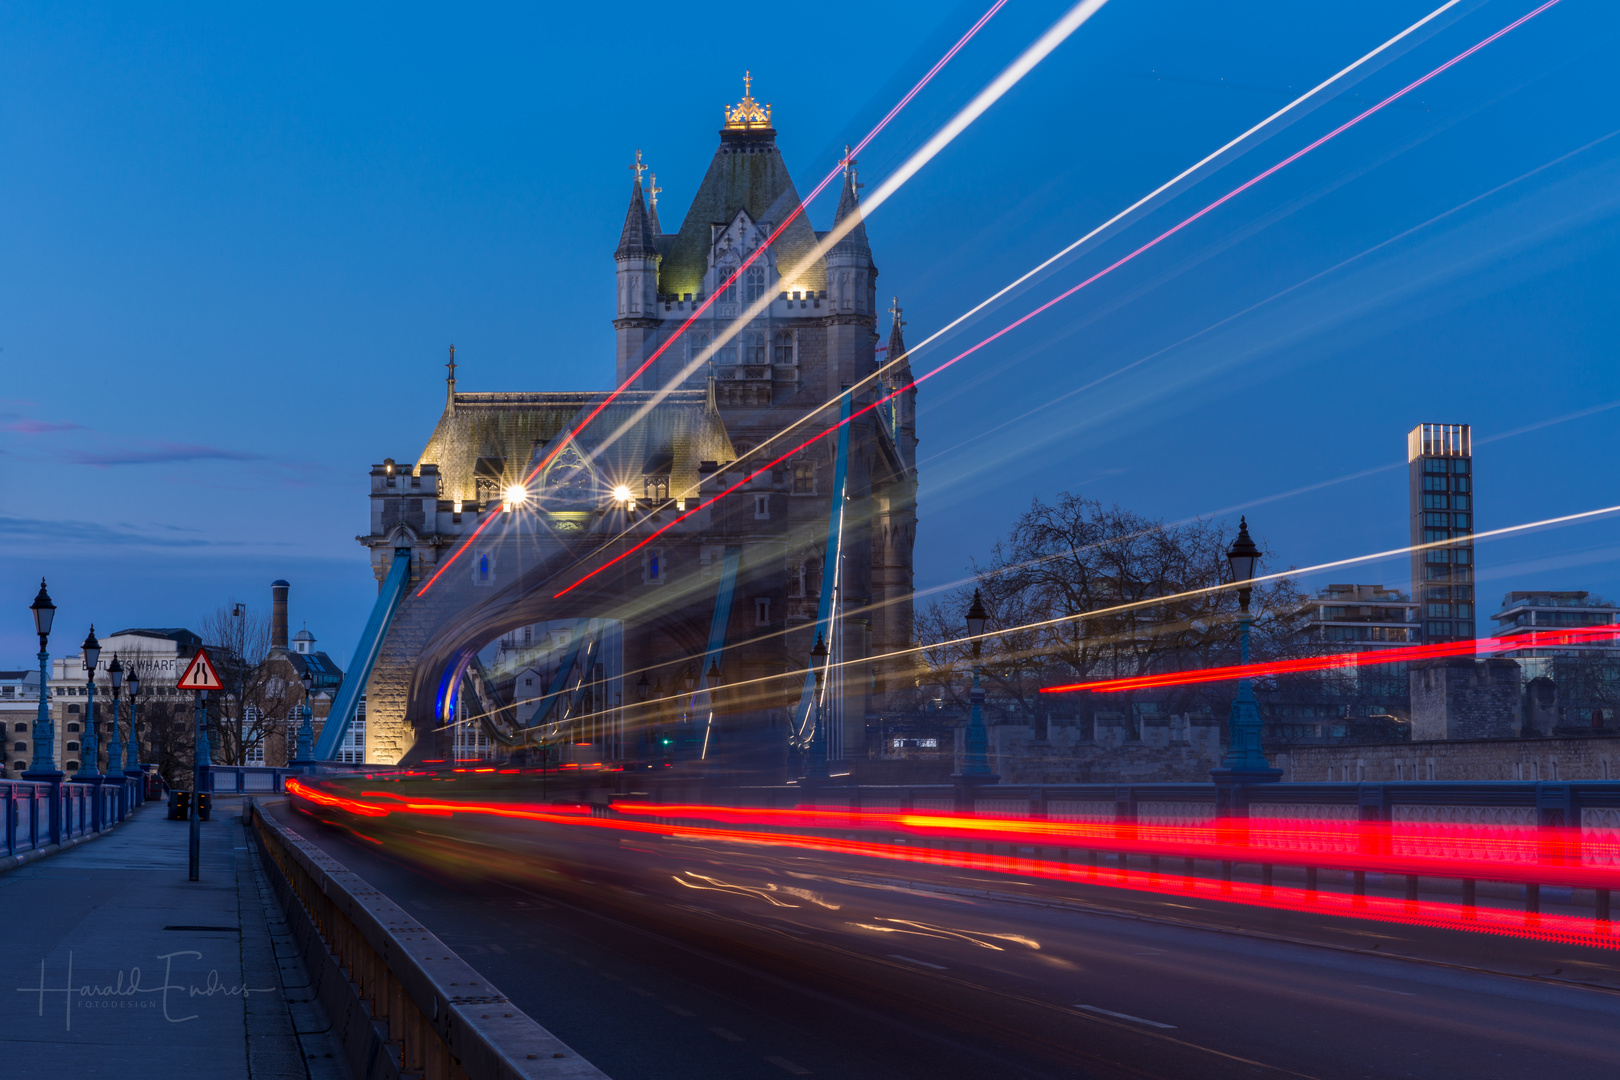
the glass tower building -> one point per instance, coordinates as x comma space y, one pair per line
1440, 467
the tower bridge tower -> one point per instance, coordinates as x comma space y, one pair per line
740, 357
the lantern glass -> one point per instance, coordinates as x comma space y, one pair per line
44, 611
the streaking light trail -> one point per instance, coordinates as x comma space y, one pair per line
1337, 77
819, 188
1040, 50
1506, 853
1535, 640
1174, 229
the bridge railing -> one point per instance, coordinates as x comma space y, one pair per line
402, 1004
42, 814
269, 779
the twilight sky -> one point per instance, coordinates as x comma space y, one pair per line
237, 242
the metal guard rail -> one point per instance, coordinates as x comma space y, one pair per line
401, 1002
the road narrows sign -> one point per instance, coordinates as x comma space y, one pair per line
200, 674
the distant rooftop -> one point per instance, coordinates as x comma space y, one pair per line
1547, 598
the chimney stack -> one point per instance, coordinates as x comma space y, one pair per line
278, 615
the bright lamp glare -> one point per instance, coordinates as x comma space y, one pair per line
621, 494
516, 495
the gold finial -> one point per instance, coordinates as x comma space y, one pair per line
452, 365
748, 115
894, 312
638, 168
653, 190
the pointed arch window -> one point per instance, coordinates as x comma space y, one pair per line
784, 346
754, 283
696, 342
723, 273
727, 353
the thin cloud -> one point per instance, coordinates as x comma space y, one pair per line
165, 453
40, 427
39, 530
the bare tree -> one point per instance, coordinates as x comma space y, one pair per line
257, 699
1080, 591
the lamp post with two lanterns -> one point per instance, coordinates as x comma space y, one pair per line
306, 729
815, 767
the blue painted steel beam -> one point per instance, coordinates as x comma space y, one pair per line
802, 713
394, 588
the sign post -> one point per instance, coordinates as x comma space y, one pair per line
200, 677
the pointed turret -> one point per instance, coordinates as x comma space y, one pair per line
903, 406
851, 277
653, 191
849, 206
636, 318
637, 240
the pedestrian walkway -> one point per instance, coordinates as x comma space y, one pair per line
115, 961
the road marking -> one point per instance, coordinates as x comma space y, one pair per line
678, 1011
1125, 1016
920, 963
729, 1036
1385, 990
796, 1070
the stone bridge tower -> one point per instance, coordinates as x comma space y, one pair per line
725, 370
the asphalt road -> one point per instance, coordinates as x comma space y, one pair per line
667, 959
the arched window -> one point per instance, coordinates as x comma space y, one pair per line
73, 727
73, 766
727, 353
784, 346
72, 746
20, 747
754, 347
697, 342
754, 283
22, 727
723, 273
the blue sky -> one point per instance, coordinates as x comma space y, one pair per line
237, 243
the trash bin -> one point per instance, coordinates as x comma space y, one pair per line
179, 805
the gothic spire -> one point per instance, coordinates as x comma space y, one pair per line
653, 191
636, 238
450, 383
849, 204
896, 353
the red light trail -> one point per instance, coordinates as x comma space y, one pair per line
1546, 639
849, 156
1290, 159
1502, 853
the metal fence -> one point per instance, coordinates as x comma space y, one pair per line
39, 814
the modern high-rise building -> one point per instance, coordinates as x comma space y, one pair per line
1440, 466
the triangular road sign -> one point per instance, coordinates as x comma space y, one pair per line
200, 674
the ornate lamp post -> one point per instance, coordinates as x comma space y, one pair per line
816, 766
132, 755
976, 742
44, 763
88, 749
306, 729
115, 749
1244, 762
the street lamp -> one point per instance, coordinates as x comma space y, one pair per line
88, 750
976, 763
643, 687
132, 757
43, 766
306, 730
816, 766
115, 751
1245, 762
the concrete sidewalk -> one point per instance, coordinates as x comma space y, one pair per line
115, 961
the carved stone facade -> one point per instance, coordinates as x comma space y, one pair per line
722, 345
